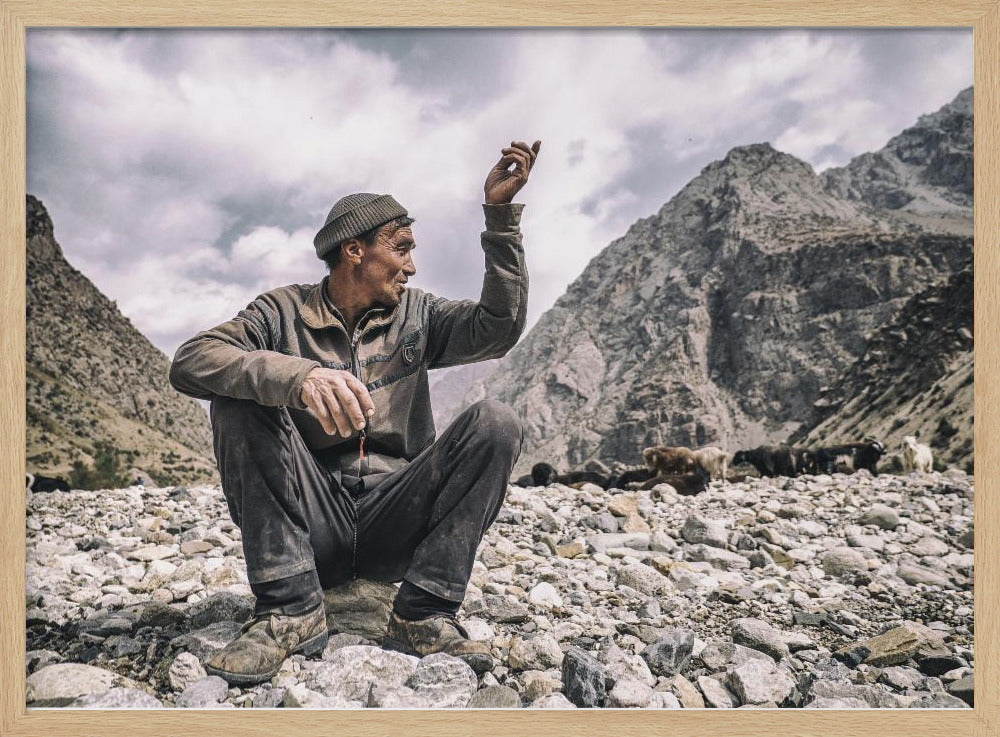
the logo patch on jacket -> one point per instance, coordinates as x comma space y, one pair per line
409, 353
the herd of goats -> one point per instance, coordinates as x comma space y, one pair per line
690, 471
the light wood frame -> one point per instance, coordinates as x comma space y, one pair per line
983, 16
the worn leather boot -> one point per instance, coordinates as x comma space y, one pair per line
265, 642
439, 634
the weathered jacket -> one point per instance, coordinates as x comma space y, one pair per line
266, 351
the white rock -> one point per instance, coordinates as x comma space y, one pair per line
545, 596
185, 670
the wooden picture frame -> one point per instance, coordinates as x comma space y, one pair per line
983, 16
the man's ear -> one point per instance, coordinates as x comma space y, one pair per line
353, 251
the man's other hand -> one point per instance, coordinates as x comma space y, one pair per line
339, 400
502, 183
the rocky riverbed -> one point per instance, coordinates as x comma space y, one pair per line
816, 592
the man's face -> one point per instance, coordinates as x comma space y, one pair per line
388, 265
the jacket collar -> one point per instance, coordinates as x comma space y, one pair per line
319, 313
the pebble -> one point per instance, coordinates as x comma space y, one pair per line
670, 653
583, 678
495, 697
204, 693
118, 698
760, 682
184, 671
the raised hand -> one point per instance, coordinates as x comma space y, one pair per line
502, 183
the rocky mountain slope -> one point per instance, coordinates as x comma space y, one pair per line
915, 378
819, 592
92, 377
721, 318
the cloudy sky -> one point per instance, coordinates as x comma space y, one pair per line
188, 171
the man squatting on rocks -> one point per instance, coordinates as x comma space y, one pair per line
324, 436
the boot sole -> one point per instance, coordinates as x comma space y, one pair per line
312, 646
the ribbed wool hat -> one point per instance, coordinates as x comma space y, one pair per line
353, 215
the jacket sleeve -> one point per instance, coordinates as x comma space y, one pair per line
239, 359
464, 331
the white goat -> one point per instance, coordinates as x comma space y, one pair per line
713, 461
916, 456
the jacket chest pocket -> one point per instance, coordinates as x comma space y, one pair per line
406, 357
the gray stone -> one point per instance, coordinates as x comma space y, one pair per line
61, 683
717, 696
670, 653
631, 693
938, 701
717, 557
847, 702
621, 665
929, 546
964, 688
915, 574
350, 671
504, 608
601, 543
359, 607
444, 681
223, 606
381, 696
844, 561
545, 596
661, 542
552, 701
536, 653
667, 700
203, 693
882, 516
686, 692
299, 696
718, 655
759, 635
760, 682
342, 639
162, 616
268, 698
891, 648
118, 698
700, 529
643, 578
205, 642
877, 697
106, 624
583, 678
495, 697
901, 678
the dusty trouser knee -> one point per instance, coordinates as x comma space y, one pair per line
424, 523
270, 480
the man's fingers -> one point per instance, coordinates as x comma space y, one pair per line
349, 405
315, 401
331, 403
362, 395
531, 150
518, 158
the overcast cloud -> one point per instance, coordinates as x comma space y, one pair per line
188, 171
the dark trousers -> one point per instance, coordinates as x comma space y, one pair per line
421, 523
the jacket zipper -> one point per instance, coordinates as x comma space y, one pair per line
362, 434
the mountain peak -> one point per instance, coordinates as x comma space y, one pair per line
925, 170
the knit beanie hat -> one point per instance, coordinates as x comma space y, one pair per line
353, 215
